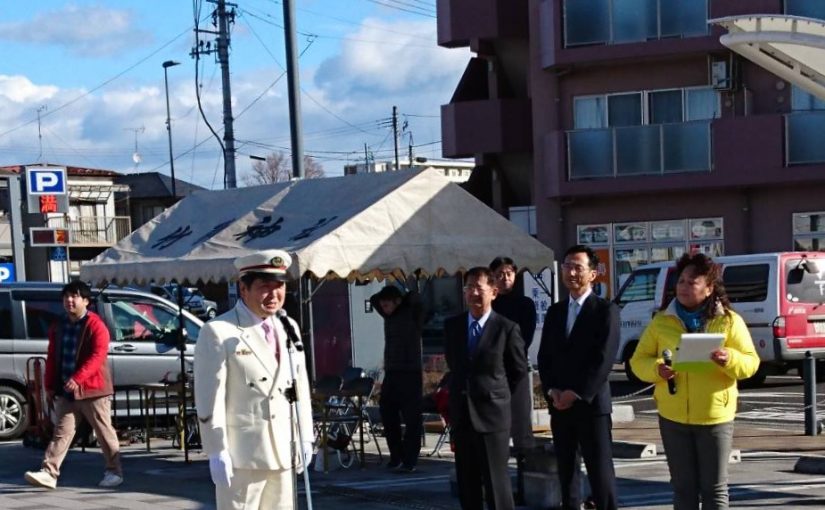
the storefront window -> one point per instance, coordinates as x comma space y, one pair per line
594, 234
630, 232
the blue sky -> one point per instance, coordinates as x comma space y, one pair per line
94, 70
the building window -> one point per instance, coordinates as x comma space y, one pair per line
632, 244
592, 22
806, 8
642, 133
809, 231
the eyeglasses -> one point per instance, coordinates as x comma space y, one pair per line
576, 268
476, 288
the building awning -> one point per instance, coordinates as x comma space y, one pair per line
94, 192
791, 47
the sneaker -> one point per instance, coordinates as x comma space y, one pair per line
406, 469
393, 466
110, 480
41, 478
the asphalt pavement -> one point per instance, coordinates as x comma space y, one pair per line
160, 479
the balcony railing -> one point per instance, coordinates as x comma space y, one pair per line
588, 22
803, 138
93, 230
654, 149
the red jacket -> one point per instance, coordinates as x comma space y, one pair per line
92, 370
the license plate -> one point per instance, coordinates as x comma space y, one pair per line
819, 327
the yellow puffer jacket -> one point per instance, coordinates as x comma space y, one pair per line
702, 398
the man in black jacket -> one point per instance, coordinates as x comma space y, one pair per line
485, 355
578, 345
401, 390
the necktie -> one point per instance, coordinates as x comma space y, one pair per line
572, 313
472, 337
269, 334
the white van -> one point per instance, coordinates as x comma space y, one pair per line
781, 297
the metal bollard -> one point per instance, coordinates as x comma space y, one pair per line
812, 427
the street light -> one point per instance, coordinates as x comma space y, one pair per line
167, 65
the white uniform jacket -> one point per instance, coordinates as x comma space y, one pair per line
239, 392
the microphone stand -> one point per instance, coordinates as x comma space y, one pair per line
293, 343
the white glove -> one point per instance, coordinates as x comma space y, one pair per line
308, 452
220, 467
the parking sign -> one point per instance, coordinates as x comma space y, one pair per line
6, 273
45, 181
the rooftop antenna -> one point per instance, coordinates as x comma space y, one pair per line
40, 109
136, 157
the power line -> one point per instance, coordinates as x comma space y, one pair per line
99, 86
396, 7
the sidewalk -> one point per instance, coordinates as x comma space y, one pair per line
161, 480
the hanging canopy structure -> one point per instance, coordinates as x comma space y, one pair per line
791, 47
374, 225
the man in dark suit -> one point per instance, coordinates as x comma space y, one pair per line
485, 355
578, 345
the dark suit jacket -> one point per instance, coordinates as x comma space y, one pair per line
480, 388
583, 361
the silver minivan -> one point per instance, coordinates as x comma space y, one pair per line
142, 350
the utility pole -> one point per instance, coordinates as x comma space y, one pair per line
395, 133
40, 109
222, 20
294, 86
366, 158
410, 150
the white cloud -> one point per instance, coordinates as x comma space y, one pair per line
20, 89
94, 31
405, 63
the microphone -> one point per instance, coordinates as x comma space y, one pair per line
291, 335
671, 383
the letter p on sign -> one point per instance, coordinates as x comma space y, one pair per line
46, 181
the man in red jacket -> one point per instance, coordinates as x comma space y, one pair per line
78, 383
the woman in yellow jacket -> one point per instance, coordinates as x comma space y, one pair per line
696, 421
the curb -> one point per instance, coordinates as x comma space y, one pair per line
632, 450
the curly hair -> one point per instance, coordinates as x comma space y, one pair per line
705, 266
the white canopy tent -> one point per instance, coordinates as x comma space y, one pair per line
791, 47
375, 225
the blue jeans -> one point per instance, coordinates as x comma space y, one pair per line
697, 456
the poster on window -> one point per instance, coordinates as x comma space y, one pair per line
601, 286
594, 234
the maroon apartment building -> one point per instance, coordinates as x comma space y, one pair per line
630, 127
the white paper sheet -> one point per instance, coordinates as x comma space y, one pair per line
697, 347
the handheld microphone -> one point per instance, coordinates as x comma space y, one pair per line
291, 335
671, 383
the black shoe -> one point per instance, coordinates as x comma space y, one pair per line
393, 466
406, 469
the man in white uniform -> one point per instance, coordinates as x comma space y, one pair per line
242, 385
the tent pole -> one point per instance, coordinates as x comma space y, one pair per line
307, 330
182, 348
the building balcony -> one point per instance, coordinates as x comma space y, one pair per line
639, 150
486, 126
93, 231
461, 21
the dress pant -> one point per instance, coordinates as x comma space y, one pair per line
402, 400
697, 456
481, 469
96, 411
576, 430
257, 489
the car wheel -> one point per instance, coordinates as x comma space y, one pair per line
211, 313
13, 413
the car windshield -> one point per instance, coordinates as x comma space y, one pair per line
802, 285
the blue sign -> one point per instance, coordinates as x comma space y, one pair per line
58, 254
7, 273
46, 181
